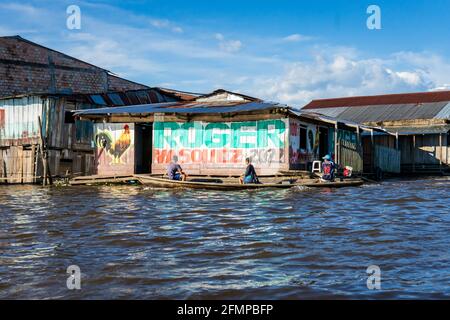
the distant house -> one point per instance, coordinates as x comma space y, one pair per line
421, 121
36, 81
212, 134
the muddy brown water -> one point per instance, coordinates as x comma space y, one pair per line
135, 242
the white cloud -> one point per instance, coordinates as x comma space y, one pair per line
444, 87
110, 54
165, 24
21, 8
338, 75
296, 38
219, 36
230, 46
411, 78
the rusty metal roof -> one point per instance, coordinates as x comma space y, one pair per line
389, 99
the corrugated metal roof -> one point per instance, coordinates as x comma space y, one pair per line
419, 130
329, 112
389, 99
177, 107
388, 112
217, 107
135, 97
444, 113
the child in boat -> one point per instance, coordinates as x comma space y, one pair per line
174, 170
250, 174
328, 168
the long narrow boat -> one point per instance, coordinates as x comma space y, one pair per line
198, 182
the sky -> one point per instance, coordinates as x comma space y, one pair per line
285, 51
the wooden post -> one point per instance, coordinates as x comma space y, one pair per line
396, 141
33, 162
21, 159
44, 157
372, 150
414, 154
5, 171
440, 151
336, 143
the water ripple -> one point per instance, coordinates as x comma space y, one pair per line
137, 242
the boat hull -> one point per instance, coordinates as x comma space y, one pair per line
160, 182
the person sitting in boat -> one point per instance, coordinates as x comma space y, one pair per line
328, 168
250, 174
174, 170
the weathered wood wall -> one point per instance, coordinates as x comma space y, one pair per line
379, 150
68, 151
429, 151
350, 151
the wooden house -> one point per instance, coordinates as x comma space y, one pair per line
40, 83
419, 124
214, 133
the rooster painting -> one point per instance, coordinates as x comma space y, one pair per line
117, 148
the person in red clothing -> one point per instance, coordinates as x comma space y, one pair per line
328, 168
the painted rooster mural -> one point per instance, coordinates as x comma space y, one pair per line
117, 148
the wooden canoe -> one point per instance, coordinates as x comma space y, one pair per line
232, 183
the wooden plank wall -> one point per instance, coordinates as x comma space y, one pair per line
422, 152
17, 165
19, 142
427, 150
387, 159
350, 151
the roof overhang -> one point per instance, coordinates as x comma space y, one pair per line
418, 130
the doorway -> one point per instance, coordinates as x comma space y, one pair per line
143, 147
323, 142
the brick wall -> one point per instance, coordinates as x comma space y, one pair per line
26, 67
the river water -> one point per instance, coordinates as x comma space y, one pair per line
134, 242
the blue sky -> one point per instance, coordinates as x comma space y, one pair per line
286, 51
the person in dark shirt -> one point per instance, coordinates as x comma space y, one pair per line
328, 168
250, 174
174, 170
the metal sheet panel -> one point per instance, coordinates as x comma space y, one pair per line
444, 113
387, 99
20, 118
394, 112
330, 112
192, 108
419, 130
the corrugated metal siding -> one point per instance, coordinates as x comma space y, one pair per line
20, 118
